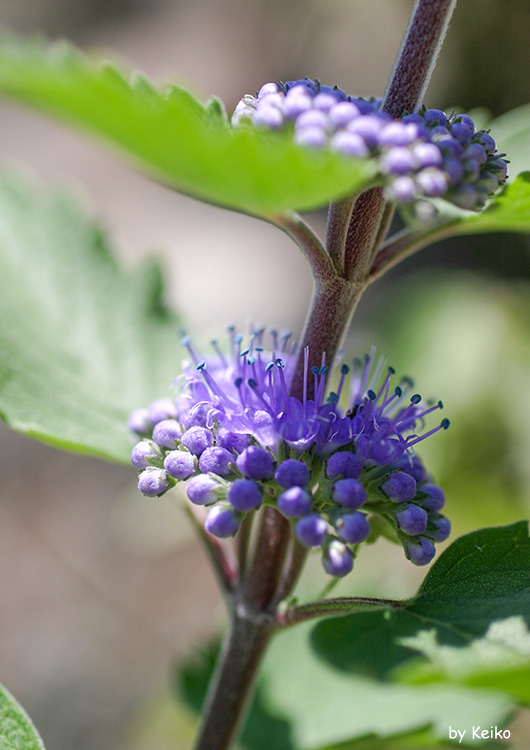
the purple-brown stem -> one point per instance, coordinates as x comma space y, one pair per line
337, 290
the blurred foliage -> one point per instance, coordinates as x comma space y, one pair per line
16, 728
303, 704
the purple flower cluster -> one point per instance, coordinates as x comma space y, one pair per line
425, 154
238, 437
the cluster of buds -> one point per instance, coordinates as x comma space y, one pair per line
241, 442
425, 154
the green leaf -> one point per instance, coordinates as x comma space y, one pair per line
303, 704
500, 660
481, 578
16, 728
83, 341
183, 143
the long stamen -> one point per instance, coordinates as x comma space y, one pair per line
417, 439
219, 352
186, 342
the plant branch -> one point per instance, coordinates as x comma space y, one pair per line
406, 243
296, 557
262, 581
339, 606
312, 248
339, 216
225, 569
242, 543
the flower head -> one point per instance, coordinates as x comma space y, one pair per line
327, 461
425, 154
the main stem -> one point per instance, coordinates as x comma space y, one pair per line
246, 638
352, 240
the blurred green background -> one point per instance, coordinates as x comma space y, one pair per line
102, 588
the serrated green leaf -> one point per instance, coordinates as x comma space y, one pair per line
188, 145
302, 704
481, 578
16, 728
83, 341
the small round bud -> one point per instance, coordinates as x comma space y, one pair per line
222, 522
435, 117
488, 182
432, 182
400, 487
180, 464
413, 466
295, 502
255, 463
398, 160
296, 102
303, 84
461, 132
292, 473
337, 559
427, 155
477, 152
412, 519
196, 416
163, 408
353, 527
235, 441
343, 113
467, 121
349, 493
268, 117
439, 528
368, 127
402, 189
167, 433
311, 137
201, 490
454, 170
349, 144
398, 133
313, 118
217, 461
145, 454
335, 92
197, 439
487, 142
153, 482
343, 464
420, 551
267, 89
139, 422
450, 147
434, 499
245, 495
311, 530
471, 170
324, 101
499, 168
465, 196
